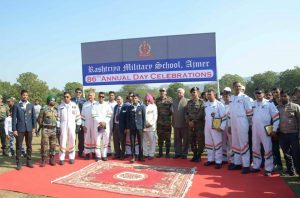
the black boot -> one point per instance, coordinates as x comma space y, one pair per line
160, 154
52, 161
198, 158
194, 157
168, 152
43, 162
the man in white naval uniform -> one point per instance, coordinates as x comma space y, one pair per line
240, 109
69, 120
90, 126
149, 136
112, 103
264, 112
214, 109
102, 114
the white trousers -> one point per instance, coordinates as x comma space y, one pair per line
67, 133
213, 144
227, 142
102, 139
240, 144
149, 143
259, 137
90, 138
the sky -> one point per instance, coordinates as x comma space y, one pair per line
44, 37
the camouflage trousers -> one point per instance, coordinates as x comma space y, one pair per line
4, 141
48, 142
164, 136
196, 136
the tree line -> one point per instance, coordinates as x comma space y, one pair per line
38, 89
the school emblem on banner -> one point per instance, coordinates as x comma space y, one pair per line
144, 49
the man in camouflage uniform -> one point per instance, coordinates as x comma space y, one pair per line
48, 120
4, 112
195, 119
164, 104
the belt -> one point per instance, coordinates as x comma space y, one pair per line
49, 127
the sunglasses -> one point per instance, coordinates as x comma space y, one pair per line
66, 96
78, 91
101, 96
258, 92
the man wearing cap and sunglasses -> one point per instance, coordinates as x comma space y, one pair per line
47, 119
69, 121
265, 115
164, 109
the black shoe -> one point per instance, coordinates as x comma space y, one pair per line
184, 157
218, 166
71, 161
80, 155
268, 173
61, 162
87, 156
245, 170
176, 156
29, 164
116, 157
109, 154
159, 156
52, 161
94, 155
254, 170
167, 155
225, 162
122, 157
141, 159
234, 167
197, 159
98, 159
19, 166
104, 159
150, 158
43, 163
208, 163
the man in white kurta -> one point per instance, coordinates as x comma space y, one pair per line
69, 120
264, 112
102, 114
89, 126
240, 108
149, 135
214, 109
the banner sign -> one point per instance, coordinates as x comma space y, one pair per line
182, 58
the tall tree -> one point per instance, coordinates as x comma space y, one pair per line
71, 86
37, 88
266, 80
8, 90
290, 78
172, 89
228, 79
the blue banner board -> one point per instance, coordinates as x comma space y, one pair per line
181, 58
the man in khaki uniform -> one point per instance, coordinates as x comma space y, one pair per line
289, 132
48, 120
195, 119
4, 112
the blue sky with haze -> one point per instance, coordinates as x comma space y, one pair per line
44, 36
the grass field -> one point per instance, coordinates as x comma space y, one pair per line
7, 164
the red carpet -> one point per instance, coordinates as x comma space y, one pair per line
207, 182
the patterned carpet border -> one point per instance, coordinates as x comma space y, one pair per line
133, 179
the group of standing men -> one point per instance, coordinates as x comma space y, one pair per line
222, 127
